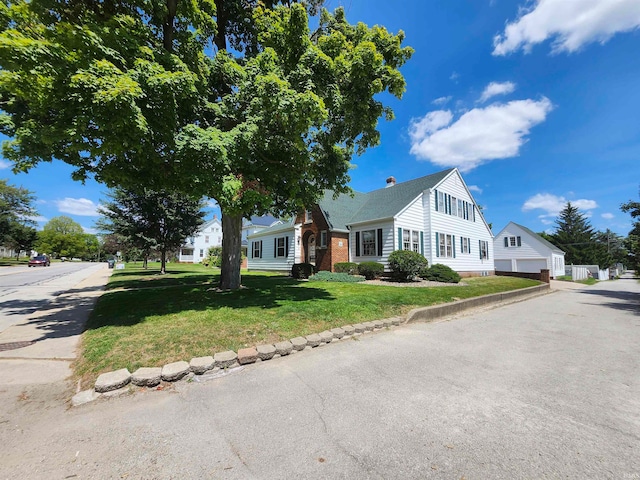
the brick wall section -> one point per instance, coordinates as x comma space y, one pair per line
325, 257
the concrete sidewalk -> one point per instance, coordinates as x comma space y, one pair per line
51, 335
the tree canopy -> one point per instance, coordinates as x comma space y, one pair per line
63, 237
16, 206
151, 220
633, 239
234, 100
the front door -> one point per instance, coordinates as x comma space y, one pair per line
311, 249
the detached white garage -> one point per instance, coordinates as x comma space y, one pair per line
518, 249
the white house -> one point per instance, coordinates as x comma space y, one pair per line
518, 249
435, 216
196, 247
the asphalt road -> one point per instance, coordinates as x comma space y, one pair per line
24, 290
545, 388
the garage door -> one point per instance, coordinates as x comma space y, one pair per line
503, 265
531, 265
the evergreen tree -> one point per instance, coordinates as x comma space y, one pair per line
575, 236
151, 220
632, 242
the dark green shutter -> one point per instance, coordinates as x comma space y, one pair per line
379, 242
519, 240
437, 245
461, 246
399, 238
469, 243
286, 246
506, 241
260, 248
453, 245
480, 249
436, 199
422, 243
357, 244
275, 248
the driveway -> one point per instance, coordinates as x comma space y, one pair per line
545, 388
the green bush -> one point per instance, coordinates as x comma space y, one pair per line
405, 265
346, 267
371, 270
302, 270
325, 276
441, 273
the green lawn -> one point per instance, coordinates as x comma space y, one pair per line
145, 319
11, 261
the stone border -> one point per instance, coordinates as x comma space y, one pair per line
120, 382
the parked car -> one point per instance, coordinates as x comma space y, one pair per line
111, 262
40, 260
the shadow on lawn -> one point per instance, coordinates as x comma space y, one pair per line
125, 308
153, 279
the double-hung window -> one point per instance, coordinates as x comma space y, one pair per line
281, 247
415, 241
484, 250
406, 239
368, 243
512, 241
323, 239
257, 249
465, 244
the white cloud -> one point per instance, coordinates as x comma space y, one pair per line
553, 204
38, 218
479, 135
608, 216
4, 164
442, 100
90, 230
496, 88
475, 188
454, 76
570, 23
77, 206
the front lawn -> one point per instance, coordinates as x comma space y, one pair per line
147, 319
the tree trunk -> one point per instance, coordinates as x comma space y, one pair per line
163, 261
221, 36
145, 261
167, 27
231, 252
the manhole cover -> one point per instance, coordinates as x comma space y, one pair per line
14, 345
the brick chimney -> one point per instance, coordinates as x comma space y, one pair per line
391, 181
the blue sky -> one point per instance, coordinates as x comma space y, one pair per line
536, 102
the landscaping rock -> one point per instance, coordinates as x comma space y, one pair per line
112, 380
299, 343
200, 365
348, 330
225, 359
313, 340
147, 376
378, 324
266, 352
337, 332
387, 322
396, 320
175, 371
126, 390
326, 336
359, 328
368, 326
83, 397
283, 348
247, 355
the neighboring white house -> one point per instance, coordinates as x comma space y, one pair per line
518, 249
435, 216
195, 248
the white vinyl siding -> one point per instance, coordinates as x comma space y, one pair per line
386, 245
201, 240
275, 255
410, 229
529, 255
460, 225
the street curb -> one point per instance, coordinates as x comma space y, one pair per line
281, 349
428, 314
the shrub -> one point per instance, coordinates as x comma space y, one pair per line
346, 267
371, 270
405, 265
441, 273
325, 276
302, 270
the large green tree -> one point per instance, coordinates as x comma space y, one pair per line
575, 235
151, 220
62, 237
16, 206
633, 239
21, 238
236, 100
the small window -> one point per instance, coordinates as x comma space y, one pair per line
201, 253
449, 246
454, 206
484, 250
460, 210
308, 218
257, 250
206, 239
369, 243
415, 241
281, 250
406, 239
441, 202
464, 245
323, 239
512, 241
